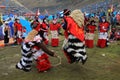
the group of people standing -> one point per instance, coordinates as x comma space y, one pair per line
17, 29
46, 28
102, 28
105, 24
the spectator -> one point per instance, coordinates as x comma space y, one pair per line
6, 33
103, 33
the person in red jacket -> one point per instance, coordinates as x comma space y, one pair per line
103, 33
18, 31
44, 31
90, 29
54, 27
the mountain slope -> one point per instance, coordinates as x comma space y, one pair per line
53, 6
57, 5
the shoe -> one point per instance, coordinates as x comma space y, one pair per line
83, 61
18, 67
26, 70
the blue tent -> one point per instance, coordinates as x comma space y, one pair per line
50, 17
26, 24
11, 15
5, 17
11, 28
41, 17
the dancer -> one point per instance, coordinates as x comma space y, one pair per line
74, 45
44, 31
89, 37
103, 33
32, 44
18, 31
54, 27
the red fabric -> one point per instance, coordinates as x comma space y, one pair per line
54, 42
104, 26
118, 17
37, 28
91, 28
18, 26
74, 29
54, 27
36, 47
90, 44
68, 57
44, 27
24, 30
19, 40
46, 42
117, 35
43, 63
86, 43
66, 34
101, 43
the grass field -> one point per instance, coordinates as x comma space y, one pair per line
98, 66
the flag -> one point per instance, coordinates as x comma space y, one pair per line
38, 12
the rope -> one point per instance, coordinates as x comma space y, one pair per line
59, 63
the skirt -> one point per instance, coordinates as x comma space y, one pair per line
75, 50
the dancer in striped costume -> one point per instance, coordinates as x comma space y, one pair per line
32, 44
74, 47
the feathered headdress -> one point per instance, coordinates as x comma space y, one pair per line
31, 35
78, 17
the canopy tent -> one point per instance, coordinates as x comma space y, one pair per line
42, 17
50, 17
26, 24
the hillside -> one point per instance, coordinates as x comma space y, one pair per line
57, 5
53, 6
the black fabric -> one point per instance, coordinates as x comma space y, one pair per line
41, 33
34, 24
27, 61
6, 38
27, 66
72, 58
64, 25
